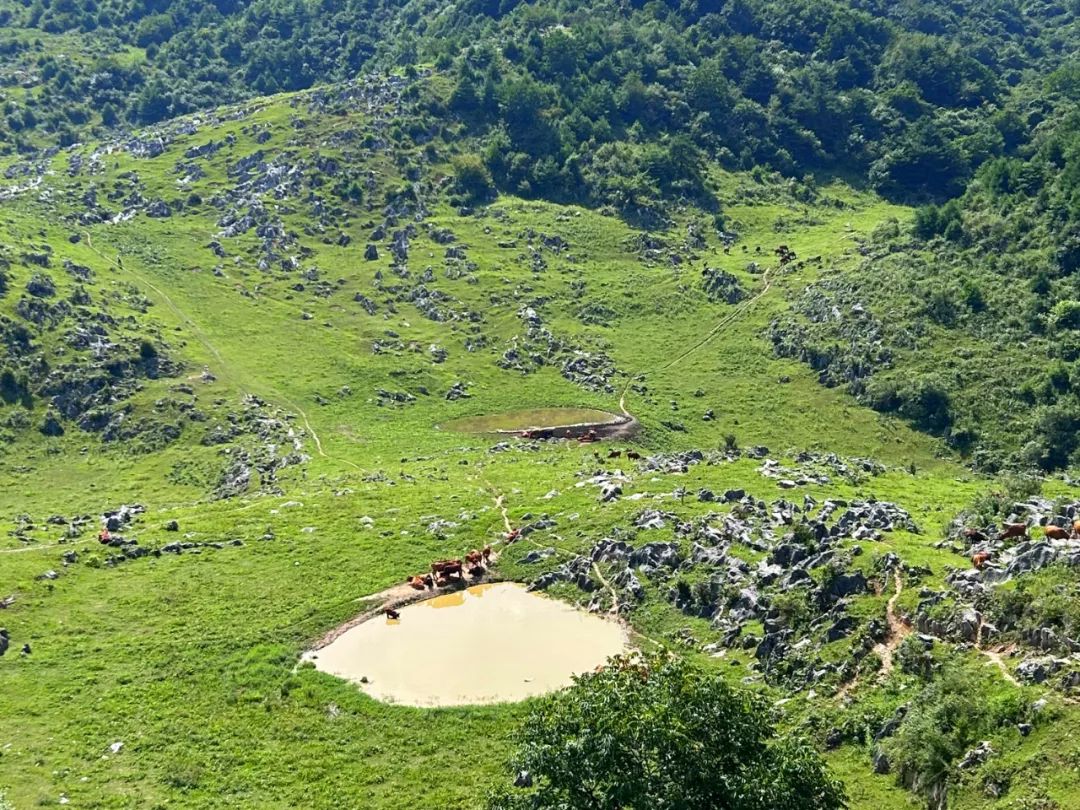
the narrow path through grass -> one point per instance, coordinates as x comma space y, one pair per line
224, 369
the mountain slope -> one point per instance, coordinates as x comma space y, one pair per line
262, 322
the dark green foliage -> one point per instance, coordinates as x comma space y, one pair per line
951, 714
662, 734
51, 425
15, 387
864, 87
473, 177
979, 334
1049, 599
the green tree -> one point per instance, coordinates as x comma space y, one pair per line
473, 177
1066, 315
660, 734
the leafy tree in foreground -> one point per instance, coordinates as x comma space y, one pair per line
659, 734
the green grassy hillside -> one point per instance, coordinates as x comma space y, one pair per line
195, 322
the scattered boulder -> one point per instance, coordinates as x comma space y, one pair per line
880, 761
976, 756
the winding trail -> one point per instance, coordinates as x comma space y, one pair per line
24, 549
223, 366
898, 629
500, 500
615, 606
996, 659
994, 656
724, 322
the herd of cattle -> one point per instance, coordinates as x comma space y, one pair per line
1017, 531
444, 573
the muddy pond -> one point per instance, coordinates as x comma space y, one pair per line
535, 418
486, 644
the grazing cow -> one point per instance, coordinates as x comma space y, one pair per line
975, 536
1055, 533
486, 554
615, 454
474, 558
1010, 530
785, 254
392, 614
979, 560
633, 455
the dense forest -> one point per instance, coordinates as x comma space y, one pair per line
972, 322
611, 101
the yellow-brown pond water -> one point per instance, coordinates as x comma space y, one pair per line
486, 644
533, 418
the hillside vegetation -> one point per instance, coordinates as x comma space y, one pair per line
824, 254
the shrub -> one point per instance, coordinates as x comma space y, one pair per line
660, 733
473, 178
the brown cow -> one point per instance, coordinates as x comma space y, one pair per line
486, 553
417, 583
1076, 528
1009, 530
975, 536
979, 560
1055, 533
444, 569
618, 454
634, 455
474, 557
512, 535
